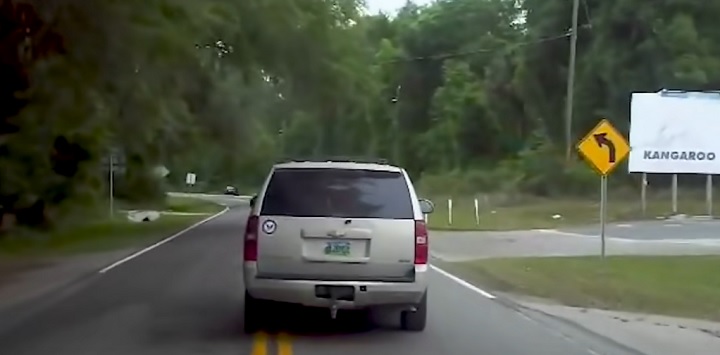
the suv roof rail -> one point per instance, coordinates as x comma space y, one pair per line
343, 159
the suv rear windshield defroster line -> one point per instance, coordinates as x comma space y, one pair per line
341, 193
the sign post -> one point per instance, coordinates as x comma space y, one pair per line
112, 185
603, 148
116, 163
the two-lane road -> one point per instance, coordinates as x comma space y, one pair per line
185, 297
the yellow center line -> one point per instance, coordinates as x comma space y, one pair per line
284, 344
260, 344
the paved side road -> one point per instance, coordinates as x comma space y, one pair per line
185, 297
687, 230
462, 246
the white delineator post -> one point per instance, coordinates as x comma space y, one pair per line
450, 212
477, 212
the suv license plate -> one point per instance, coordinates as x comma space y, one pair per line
337, 248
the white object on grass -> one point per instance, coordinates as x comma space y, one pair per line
142, 216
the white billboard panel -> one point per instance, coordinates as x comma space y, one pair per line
675, 133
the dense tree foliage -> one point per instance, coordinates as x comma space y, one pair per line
468, 94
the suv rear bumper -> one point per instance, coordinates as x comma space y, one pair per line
303, 291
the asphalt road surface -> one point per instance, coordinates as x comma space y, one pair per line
186, 297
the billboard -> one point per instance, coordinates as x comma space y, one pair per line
675, 133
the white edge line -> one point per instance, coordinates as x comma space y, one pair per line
596, 237
153, 246
463, 282
569, 234
703, 242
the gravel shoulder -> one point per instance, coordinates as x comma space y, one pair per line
644, 333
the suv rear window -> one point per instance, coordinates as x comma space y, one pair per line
342, 193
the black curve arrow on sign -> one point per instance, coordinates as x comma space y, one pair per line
602, 140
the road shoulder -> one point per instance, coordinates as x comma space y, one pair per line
27, 278
640, 333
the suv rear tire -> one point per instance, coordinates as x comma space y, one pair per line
253, 314
415, 321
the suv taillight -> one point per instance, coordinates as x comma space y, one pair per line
251, 239
422, 247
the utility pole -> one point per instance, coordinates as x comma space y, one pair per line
281, 133
570, 97
396, 125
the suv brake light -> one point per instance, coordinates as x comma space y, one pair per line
422, 246
250, 250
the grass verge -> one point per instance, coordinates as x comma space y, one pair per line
103, 234
94, 236
685, 286
538, 213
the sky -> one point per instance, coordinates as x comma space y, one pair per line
390, 6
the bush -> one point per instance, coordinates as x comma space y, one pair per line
139, 185
540, 170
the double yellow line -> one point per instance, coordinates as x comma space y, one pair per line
261, 344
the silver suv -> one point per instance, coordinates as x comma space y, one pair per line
338, 235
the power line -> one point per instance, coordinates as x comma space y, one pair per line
480, 50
